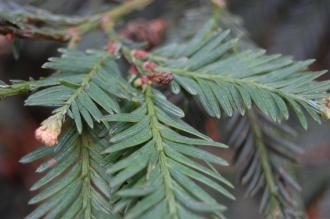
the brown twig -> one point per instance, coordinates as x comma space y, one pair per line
65, 35
36, 35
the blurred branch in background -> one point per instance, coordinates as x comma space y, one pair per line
39, 24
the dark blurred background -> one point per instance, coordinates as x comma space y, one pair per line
294, 27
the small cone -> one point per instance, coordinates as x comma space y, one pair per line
49, 131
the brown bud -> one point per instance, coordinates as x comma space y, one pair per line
167, 78
163, 78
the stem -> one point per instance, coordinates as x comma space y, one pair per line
154, 125
15, 89
85, 174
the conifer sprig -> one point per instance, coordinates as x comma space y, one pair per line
265, 154
228, 82
75, 184
156, 177
85, 84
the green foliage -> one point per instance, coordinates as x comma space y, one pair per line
228, 82
125, 151
264, 155
85, 83
75, 184
155, 174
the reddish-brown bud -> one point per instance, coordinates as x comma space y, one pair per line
145, 80
142, 81
139, 54
113, 48
133, 70
167, 78
149, 65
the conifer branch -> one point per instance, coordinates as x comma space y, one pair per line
264, 160
85, 84
160, 163
262, 150
77, 185
208, 67
154, 124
